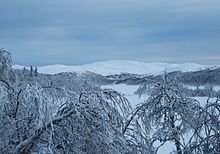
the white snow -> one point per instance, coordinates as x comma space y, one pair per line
119, 66
216, 88
128, 91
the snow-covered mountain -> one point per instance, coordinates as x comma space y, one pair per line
118, 66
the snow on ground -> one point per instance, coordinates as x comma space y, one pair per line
215, 88
128, 91
195, 87
119, 66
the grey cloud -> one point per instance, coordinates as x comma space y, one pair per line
77, 32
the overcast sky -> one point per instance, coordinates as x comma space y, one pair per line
75, 32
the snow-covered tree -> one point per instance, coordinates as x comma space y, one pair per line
69, 113
91, 124
35, 72
164, 117
37, 116
206, 136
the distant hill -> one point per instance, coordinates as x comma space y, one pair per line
117, 67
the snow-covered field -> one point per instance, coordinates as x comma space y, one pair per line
128, 92
215, 88
119, 66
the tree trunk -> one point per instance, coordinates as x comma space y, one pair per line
176, 137
177, 143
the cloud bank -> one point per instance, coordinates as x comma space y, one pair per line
78, 32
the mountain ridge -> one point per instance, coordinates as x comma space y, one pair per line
112, 67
